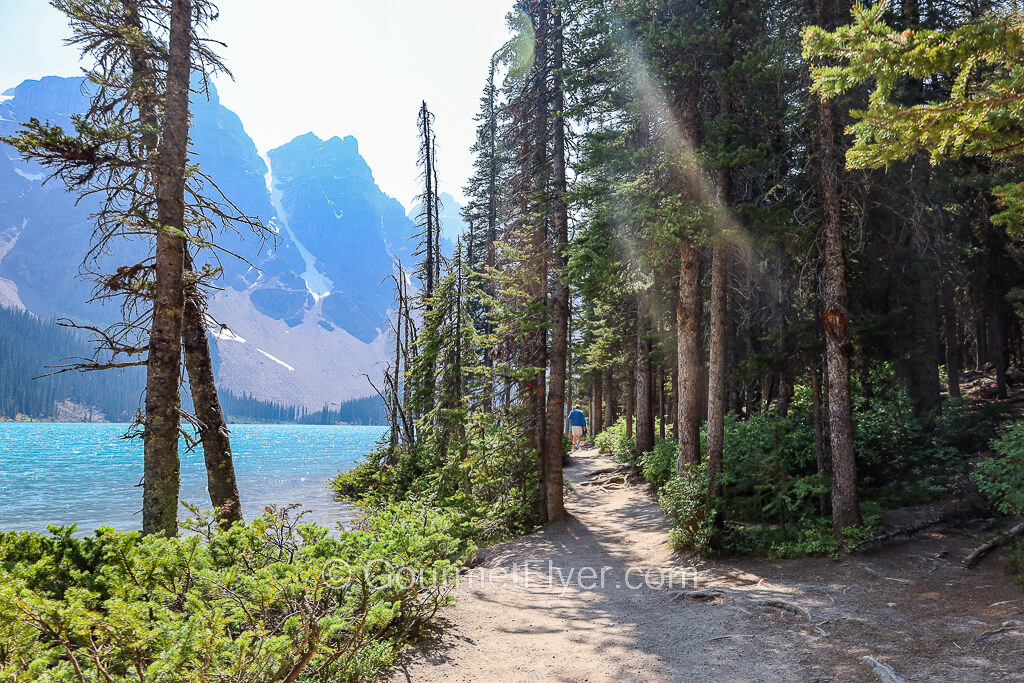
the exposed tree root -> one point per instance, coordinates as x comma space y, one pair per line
1012, 625
983, 550
783, 605
731, 635
880, 575
604, 470
704, 595
614, 482
885, 673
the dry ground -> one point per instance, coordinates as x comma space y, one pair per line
909, 605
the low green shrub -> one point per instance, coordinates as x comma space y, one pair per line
772, 493
692, 509
1001, 478
660, 464
488, 488
271, 601
970, 427
613, 441
770, 468
809, 537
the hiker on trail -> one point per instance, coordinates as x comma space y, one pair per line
577, 426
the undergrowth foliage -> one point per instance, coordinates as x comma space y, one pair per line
773, 499
1001, 479
467, 454
277, 600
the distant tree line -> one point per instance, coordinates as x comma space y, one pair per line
30, 345
247, 408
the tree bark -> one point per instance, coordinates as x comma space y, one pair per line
644, 377
924, 363
661, 401
630, 397
785, 393
821, 451
688, 340
609, 397
598, 414
952, 339
674, 408
718, 367
981, 345
162, 467
213, 428
558, 356
1000, 347
845, 506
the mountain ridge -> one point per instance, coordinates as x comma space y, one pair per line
335, 229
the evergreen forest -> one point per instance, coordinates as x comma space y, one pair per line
772, 252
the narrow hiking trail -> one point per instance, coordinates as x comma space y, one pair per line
813, 619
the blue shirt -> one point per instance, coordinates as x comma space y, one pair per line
577, 419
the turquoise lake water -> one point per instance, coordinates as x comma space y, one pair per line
86, 474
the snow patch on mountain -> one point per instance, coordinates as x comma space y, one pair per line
221, 333
277, 360
323, 366
318, 284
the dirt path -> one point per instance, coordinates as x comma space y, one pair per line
910, 606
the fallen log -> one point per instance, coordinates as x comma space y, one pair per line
983, 550
902, 531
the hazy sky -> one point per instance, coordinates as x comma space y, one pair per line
334, 67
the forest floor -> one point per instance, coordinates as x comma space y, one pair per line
908, 605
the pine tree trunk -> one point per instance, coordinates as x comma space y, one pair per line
1000, 347
598, 399
952, 335
785, 393
717, 378
535, 441
609, 397
644, 377
748, 342
924, 366
162, 478
820, 438
428, 202
661, 401
558, 356
688, 319
492, 229
674, 408
845, 507
213, 428
630, 397
980, 345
